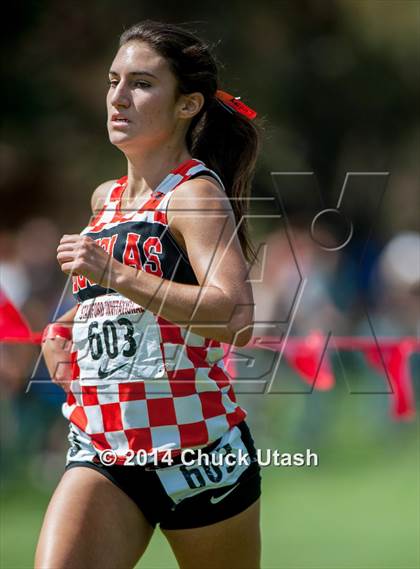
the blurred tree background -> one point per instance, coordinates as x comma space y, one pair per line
337, 83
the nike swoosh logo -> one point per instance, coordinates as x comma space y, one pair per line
103, 373
216, 499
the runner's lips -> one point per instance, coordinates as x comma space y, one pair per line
119, 118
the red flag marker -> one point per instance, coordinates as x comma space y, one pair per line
13, 325
396, 359
309, 358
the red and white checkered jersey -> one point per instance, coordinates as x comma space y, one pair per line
141, 382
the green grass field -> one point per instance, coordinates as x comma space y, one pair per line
359, 509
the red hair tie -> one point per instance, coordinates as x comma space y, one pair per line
235, 104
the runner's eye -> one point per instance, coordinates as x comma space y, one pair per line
142, 84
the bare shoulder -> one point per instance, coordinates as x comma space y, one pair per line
203, 192
99, 195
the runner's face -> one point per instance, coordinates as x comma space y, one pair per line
141, 97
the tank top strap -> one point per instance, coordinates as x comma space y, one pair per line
111, 200
204, 170
159, 200
115, 191
186, 171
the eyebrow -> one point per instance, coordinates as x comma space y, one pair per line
111, 72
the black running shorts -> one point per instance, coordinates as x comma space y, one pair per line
199, 488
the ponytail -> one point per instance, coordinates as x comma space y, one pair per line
229, 144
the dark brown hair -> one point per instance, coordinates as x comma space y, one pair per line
228, 143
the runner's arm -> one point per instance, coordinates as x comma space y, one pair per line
221, 306
56, 352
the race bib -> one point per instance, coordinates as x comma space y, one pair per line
116, 341
184, 480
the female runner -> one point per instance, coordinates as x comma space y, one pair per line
160, 279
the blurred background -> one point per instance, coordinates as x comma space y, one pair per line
337, 84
